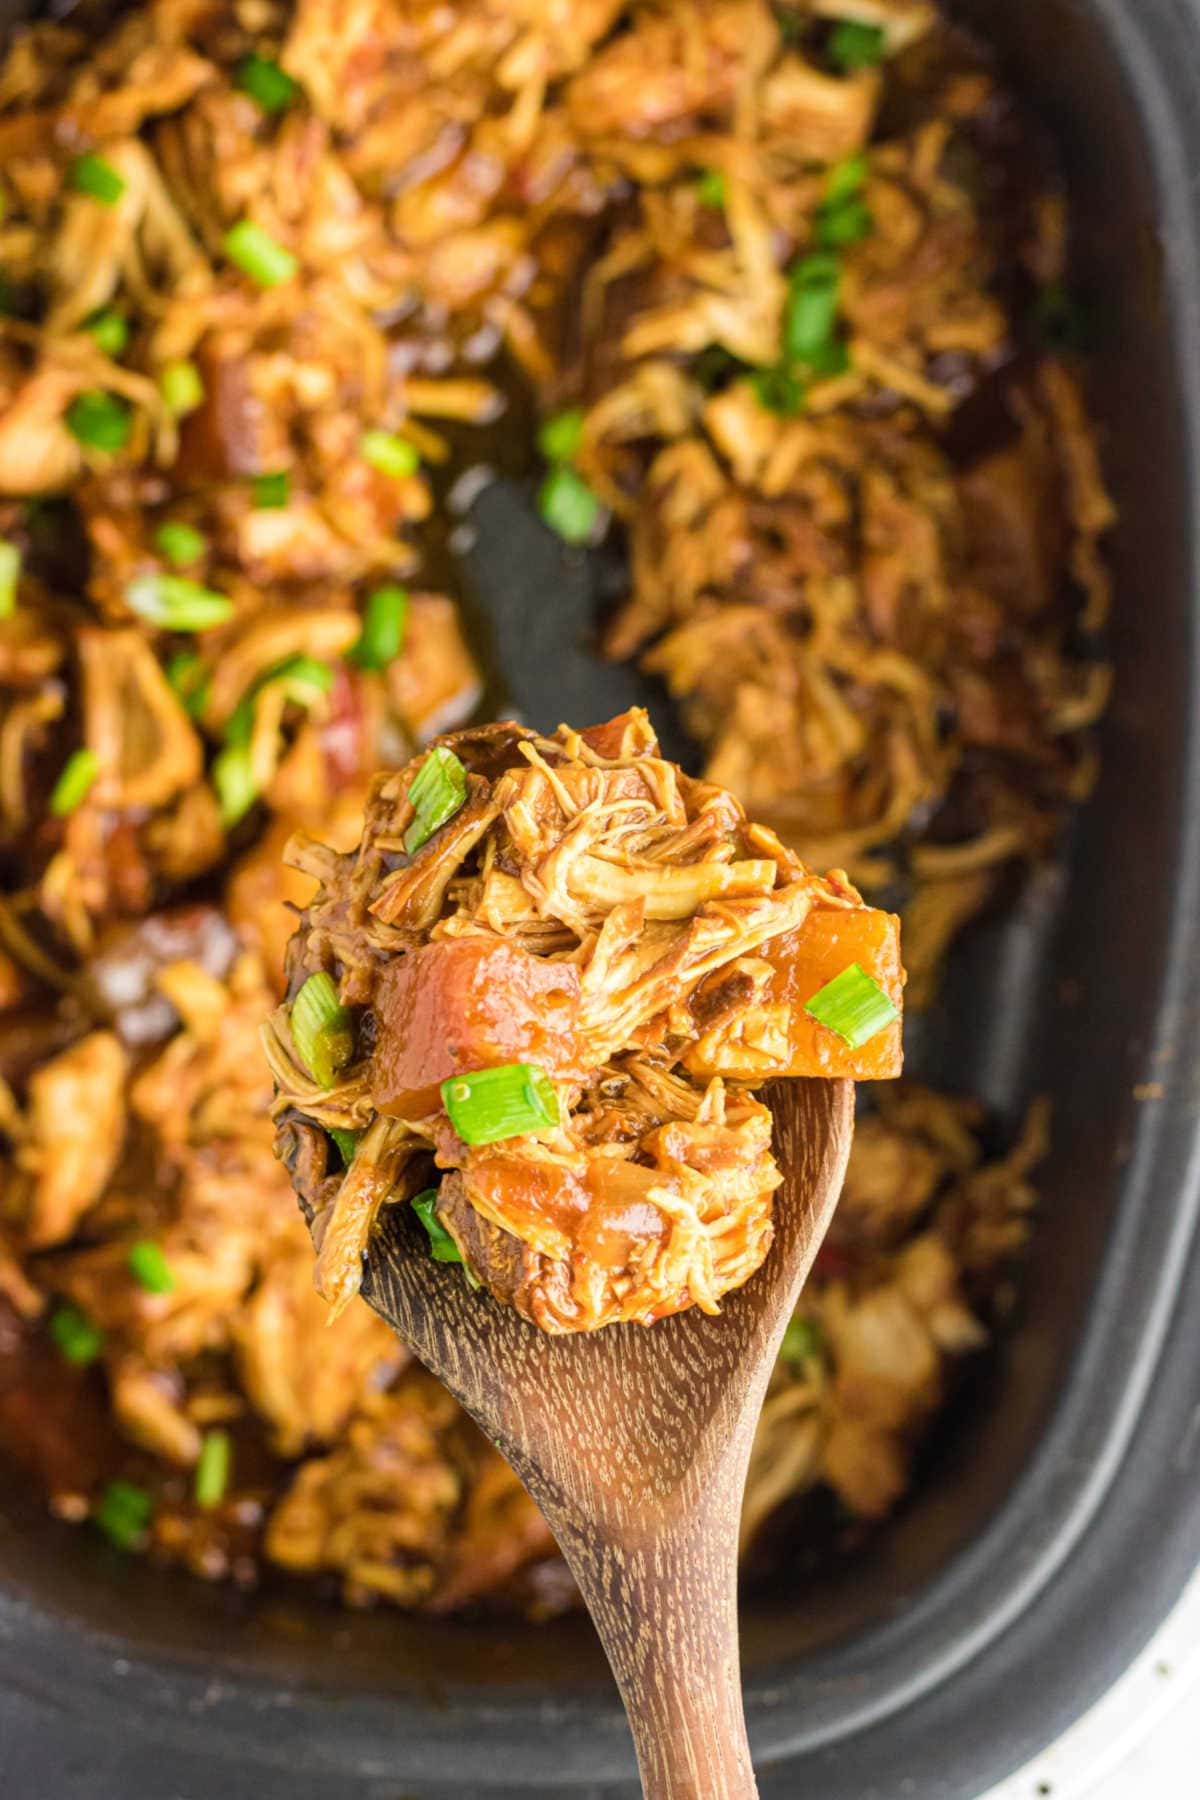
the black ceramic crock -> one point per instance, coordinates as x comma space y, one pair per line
1059, 1519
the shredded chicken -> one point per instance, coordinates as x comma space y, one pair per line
876, 588
68, 1145
590, 913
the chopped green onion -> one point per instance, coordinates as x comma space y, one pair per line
442, 1246
109, 330
304, 680
176, 604
91, 175
233, 779
854, 1006
10, 574
190, 679
803, 1341
849, 222
500, 1103
74, 1336
181, 388
123, 1513
74, 784
560, 436
811, 306
100, 421
833, 358
390, 454
779, 390
303, 676
258, 255
265, 82
322, 1029
213, 1467
568, 505
382, 629
436, 792
346, 1141
845, 179
711, 188
852, 45
149, 1267
271, 490
180, 542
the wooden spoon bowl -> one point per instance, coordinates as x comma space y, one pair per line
634, 1442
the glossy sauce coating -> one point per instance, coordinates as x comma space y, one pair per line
803, 961
807, 958
469, 1003
600, 1215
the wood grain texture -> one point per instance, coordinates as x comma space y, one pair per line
634, 1442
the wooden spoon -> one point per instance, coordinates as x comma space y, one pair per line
634, 1443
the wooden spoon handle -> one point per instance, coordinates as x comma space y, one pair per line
666, 1612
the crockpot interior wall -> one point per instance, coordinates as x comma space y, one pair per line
1056, 998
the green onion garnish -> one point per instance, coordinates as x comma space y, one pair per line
304, 677
803, 1342
179, 542
271, 490
10, 574
833, 358
568, 505
233, 779
149, 1267
213, 1467
854, 1006
711, 188
811, 306
390, 454
265, 82
491, 1104
442, 1246
74, 784
99, 420
304, 680
845, 179
346, 1141
852, 45
190, 679
174, 603
181, 388
91, 175
322, 1029
74, 1336
382, 629
779, 390
560, 436
258, 255
123, 1513
109, 330
849, 222
436, 792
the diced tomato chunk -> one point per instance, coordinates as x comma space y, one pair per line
804, 960
469, 1003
